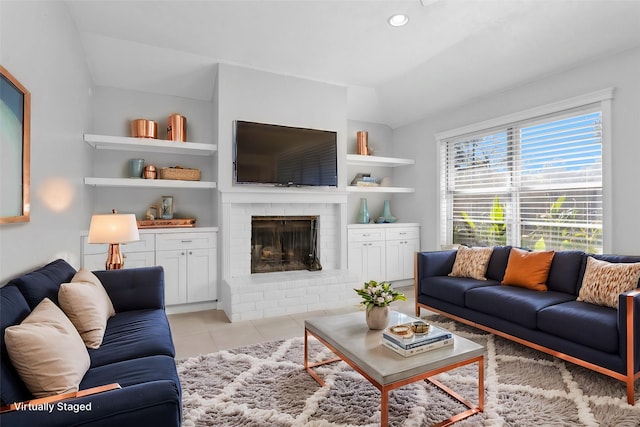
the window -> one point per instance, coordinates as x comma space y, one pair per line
535, 182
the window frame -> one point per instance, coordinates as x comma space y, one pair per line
602, 97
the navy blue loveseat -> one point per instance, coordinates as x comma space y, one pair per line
600, 338
137, 353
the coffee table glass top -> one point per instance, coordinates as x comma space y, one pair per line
349, 334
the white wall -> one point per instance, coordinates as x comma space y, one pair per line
620, 71
39, 45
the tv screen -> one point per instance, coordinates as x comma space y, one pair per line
283, 155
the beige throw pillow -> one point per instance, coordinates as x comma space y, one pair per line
47, 351
88, 306
603, 281
471, 262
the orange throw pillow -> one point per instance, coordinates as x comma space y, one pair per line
528, 269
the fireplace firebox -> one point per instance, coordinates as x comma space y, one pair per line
284, 243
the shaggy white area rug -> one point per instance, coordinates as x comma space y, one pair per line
266, 385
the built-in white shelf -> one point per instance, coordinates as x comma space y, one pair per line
359, 160
147, 183
124, 143
360, 189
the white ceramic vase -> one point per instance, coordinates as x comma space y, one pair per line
377, 317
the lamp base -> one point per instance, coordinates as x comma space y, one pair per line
115, 260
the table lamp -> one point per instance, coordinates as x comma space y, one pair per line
113, 229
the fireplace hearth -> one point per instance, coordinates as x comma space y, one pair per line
284, 243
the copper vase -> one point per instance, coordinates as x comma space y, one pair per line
363, 143
177, 128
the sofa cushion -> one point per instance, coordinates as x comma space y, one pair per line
14, 310
134, 334
452, 289
591, 325
513, 303
44, 282
498, 263
131, 372
87, 305
603, 281
528, 269
47, 351
471, 262
565, 271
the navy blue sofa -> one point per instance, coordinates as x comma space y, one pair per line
137, 352
596, 337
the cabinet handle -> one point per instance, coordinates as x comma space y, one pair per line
186, 241
190, 253
402, 233
181, 253
366, 234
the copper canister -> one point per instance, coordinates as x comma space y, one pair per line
150, 172
143, 128
363, 147
177, 128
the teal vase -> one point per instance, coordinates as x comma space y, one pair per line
363, 217
386, 211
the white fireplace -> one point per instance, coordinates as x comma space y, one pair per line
246, 295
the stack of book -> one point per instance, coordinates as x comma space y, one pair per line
415, 338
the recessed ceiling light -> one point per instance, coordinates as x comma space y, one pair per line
398, 20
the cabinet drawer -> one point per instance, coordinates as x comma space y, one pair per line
172, 241
401, 233
145, 244
366, 235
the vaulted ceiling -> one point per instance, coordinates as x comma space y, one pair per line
450, 52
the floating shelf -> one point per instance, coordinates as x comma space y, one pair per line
359, 160
147, 183
357, 189
124, 143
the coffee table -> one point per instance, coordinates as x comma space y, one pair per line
348, 336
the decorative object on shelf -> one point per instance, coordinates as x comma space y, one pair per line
143, 128
151, 214
364, 180
386, 213
180, 173
15, 164
386, 182
376, 298
135, 168
167, 207
177, 128
150, 172
363, 216
363, 143
167, 223
113, 229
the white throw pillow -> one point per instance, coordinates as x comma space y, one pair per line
88, 306
47, 351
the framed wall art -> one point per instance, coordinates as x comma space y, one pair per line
15, 149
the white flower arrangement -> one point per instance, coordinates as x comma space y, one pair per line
378, 294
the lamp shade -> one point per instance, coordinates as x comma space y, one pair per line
113, 228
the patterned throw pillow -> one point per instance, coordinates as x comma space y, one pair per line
471, 262
603, 281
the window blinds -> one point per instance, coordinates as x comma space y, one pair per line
535, 183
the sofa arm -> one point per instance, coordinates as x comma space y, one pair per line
438, 263
155, 403
629, 317
134, 288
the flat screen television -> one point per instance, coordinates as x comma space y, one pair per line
284, 156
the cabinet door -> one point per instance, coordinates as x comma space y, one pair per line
409, 249
356, 256
139, 259
201, 275
375, 268
175, 275
395, 260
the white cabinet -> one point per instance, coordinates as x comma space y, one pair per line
383, 252
189, 261
136, 254
401, 245
366, 253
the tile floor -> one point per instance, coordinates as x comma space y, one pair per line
210, 331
